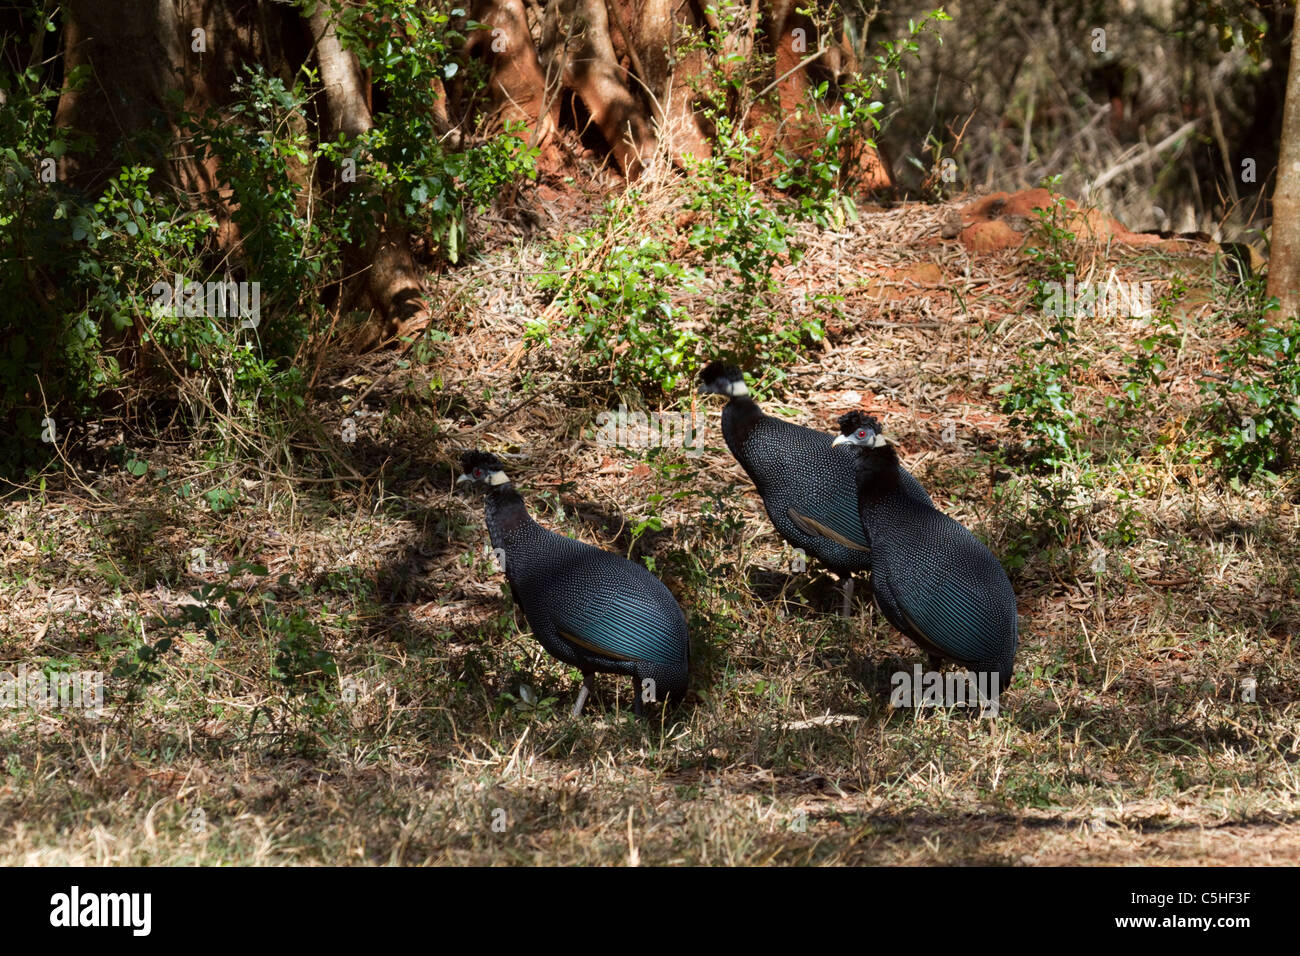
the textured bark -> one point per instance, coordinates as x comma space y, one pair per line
143, 64
793, 39
619, 59
654, 30
795, 48
128, 96
392, 281
576, 42
519, 88
346, 108
1284, 259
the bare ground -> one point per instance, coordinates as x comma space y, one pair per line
1125, 738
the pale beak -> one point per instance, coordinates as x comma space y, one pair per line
463, 478
842, 440
881, 441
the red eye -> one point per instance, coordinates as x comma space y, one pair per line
478, 472
862, 433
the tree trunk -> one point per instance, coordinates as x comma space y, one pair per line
129, 105
519, 88
794, 40
392, 281
654, 34
127, 96
576, 41
1284, 257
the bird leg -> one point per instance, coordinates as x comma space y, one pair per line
847, 608
637, 707
588, 685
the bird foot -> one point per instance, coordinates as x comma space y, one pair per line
582, 699
582, 695
846, 610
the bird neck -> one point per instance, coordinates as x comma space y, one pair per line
506, 513
877, 472
741, 415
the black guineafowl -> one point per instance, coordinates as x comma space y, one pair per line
594, 610
933, 579
807, 485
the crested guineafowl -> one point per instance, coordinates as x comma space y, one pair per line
933, 579
807, 486
596, 611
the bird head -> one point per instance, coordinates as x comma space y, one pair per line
859, 428
482, 468
719, 379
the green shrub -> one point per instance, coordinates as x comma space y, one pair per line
820, 179
624, 285
1039, 398
621, 306
74, 271
79, 275
743, 241
1254, 405
422, 182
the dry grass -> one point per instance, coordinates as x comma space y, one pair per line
1124, 739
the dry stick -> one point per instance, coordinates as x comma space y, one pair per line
62, 457
1050, 163
671, 75
958, 137
186, 387
1145, 156
615, 14
508, 412
1224, 152
658, 107
1027, 139
320, 354
1259, 198
302, 254
552, 92
773, 85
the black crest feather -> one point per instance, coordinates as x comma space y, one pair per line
716, 370
480, 459
852, 421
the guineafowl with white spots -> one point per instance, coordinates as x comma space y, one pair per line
931, 578
808, 486
596, 611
